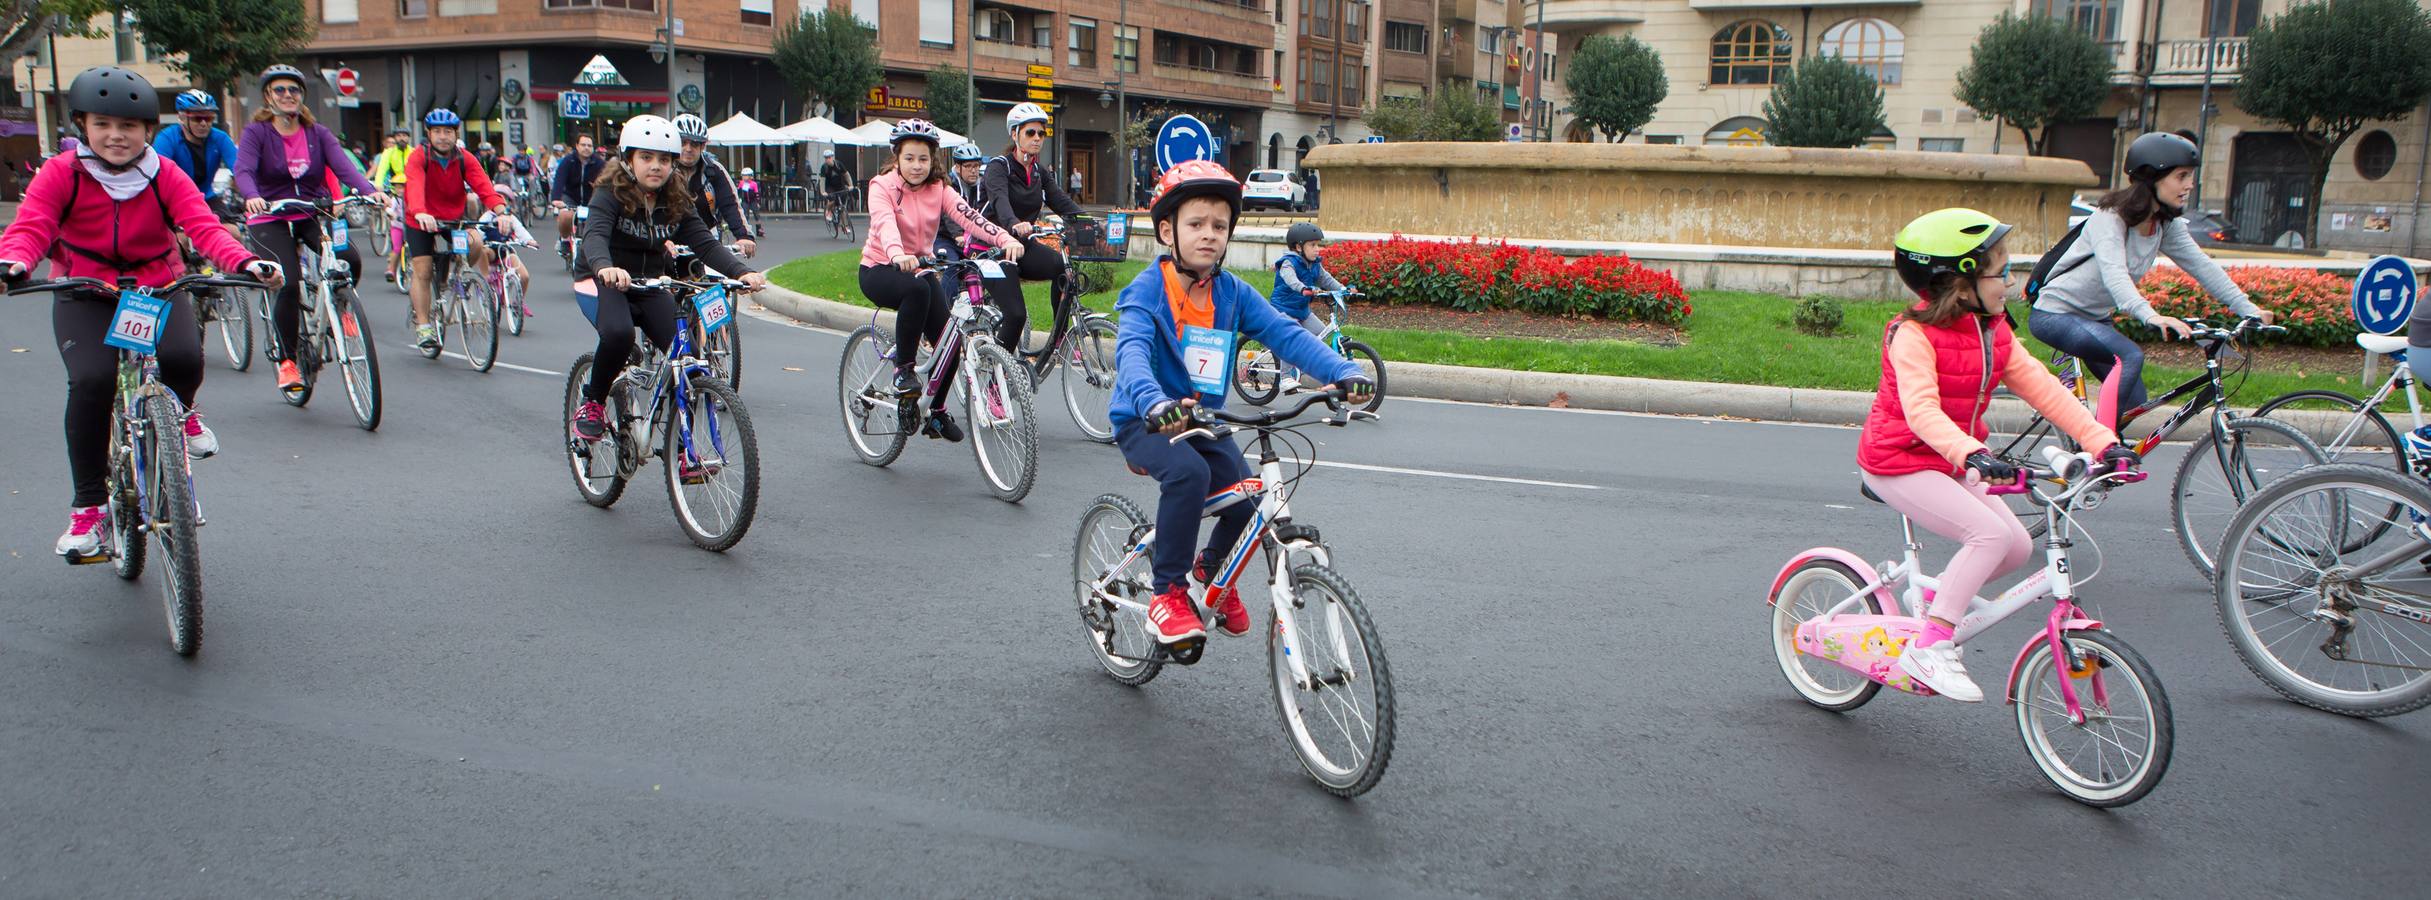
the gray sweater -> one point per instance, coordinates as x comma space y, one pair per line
2106, 283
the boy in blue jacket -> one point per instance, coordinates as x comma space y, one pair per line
1181, 324
1299, 275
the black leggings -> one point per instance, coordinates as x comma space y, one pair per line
284, 242
921, 311
79, 324
1038, 263
618, 311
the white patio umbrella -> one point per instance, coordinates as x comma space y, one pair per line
744, 131
875, 133
819, 130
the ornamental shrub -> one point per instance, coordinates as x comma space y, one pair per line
1475, 276
2313, 305
1818, 316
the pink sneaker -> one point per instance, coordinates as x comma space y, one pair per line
200, 442
83, 537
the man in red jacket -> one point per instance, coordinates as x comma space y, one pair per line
438, 176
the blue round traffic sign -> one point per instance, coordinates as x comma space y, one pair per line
2384, 295
1181, 139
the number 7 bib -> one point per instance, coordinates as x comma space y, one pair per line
1207, 353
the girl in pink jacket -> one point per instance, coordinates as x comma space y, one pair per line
906, 203
107, 211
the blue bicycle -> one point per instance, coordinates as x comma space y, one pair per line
677, 400
1262, 377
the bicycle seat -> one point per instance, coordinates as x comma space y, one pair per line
2381, 343
1868, 492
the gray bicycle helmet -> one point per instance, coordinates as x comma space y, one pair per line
2153, 155
112, 91
283, 70
1303, 233
692, 128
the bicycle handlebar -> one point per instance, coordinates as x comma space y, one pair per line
323, 208
669, 282
2244, 326
65, 285
1214, 422
2072, 468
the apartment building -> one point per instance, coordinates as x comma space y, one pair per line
1326, 56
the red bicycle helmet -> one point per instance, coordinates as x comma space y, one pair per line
1196, 178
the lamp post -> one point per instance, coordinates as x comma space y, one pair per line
1122, 107
1536, 75
970, 73
662, 49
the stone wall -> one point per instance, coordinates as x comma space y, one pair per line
1775, 197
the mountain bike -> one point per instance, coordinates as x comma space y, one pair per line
1004, 427
1332, 686
462, 300
229, 308
1081, 340
375, 223
151, 482
1262, 375
335, 331
511, 296
2090, 710
2232, 459
674, 399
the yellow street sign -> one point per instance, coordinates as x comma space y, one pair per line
1041, 96
1042, 71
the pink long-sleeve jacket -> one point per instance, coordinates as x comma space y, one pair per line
106, 239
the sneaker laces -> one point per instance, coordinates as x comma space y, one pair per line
83, 521
194, 423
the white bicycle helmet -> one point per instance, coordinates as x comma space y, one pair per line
915, 130
692, 128
746, 171
1023, 114
647, 132
967, 152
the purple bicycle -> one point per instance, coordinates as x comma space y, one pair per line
1004, 432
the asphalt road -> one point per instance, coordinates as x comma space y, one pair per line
431, 671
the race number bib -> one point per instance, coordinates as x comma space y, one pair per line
716, 308
458, 243
337, 235
1207, 353
137, 325
1118, 228
989, 268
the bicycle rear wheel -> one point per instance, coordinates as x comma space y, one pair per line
1118, 635
2299, 616
175, 520
1340, 716
358, 359
1089, 378
598, 469
2123, 747
722, 350
2216, 477
1810, 591
713, 465
1004, 422
511, 296
1258, 377
875, 421
476, 313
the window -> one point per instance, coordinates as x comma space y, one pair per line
994, 26
1942, 145
422, 7
1750, 52
1738, 131
2375, 155
129, 41
341, 11
1550, 59
2235, 18
1407, 37
468, 7
1126, 48
1354, 22
938, 25
1870, 44
1489, 40
415, 9
1084, 44
2099, 18
1320, 76
1354, 82
1317, 17
758, 12
864, 10
1662, 139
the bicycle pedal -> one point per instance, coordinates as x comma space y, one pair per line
1185, 652
97, 558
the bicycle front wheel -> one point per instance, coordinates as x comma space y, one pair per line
175, 519
511, 296
2299, 614
1118, 635
2121, 750
1258, 377
1004, 422
876, 420
1332, 686
477, 313
358, 359
1089, 378
1373, 363
2217, 476
2362, 434
713, 465
234, 316
722, 350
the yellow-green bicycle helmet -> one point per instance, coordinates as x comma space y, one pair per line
1954, 241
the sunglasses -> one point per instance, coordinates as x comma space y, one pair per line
1033, 132
286, 90
200, 117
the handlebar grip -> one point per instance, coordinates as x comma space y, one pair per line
2018, 485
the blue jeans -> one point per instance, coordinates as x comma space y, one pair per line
1186, 473
2097, 344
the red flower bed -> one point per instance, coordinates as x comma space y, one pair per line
1474, 276
2315, 306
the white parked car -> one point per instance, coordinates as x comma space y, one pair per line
2078, 209
1274, 189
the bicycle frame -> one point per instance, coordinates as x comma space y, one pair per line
321, 313
667, 374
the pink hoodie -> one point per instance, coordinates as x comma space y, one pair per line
133, 231
903, 220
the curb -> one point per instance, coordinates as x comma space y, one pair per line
1613, 393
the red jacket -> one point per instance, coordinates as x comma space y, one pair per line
461, 173
107, 239
1969, 355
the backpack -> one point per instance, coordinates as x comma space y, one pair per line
2043, 274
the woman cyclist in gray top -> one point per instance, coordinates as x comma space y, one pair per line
2096, 278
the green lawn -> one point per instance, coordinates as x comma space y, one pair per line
1732, 337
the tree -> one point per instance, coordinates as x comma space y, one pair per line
222, 44
1451, 113
949, 100
2325, 69
830, 56
2035, 72
1615, 84
1825, 102
29, 21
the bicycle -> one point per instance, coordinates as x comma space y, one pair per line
1082, 341
1004, 435
463, 300
334, 330
373, 220
2328, 594
226, 308
1837, 632
1261, 375
2232, 459
510, 300
151, 482
723, 348
705, 438
1323, 650
570, 248
839, 214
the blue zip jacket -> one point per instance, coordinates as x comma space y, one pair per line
1287, 299
1148, 366
219, 152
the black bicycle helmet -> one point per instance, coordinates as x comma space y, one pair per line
2153, 155
1303, 233
112, 91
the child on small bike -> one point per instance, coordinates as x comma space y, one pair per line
1299, 275
1940, 361
107, 211
1181, 322
2135, 225
639, 205
907, 202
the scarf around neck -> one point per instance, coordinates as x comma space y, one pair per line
122, 182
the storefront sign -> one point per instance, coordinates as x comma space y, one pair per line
889, 103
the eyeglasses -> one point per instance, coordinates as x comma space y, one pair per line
286, 90
1033, 132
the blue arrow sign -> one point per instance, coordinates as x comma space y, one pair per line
1181, 139
1374, 139
2384, 295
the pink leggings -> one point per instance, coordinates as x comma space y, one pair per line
1990, 538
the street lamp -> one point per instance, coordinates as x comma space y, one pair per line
662, 49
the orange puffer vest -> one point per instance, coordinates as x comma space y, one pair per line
1968, 357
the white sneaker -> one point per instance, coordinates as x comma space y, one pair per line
1938, 666
200, 442
1290, 385
83, 537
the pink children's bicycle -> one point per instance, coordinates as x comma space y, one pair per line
2090, 709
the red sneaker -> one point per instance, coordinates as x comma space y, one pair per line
1231, 616
290, 378
1171, 617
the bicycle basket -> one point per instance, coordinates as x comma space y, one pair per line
1098, 240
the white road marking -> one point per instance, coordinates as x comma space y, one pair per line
1463, 476
451, 354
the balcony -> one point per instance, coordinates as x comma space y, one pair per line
2128, 60
2184, 62
1016, 50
